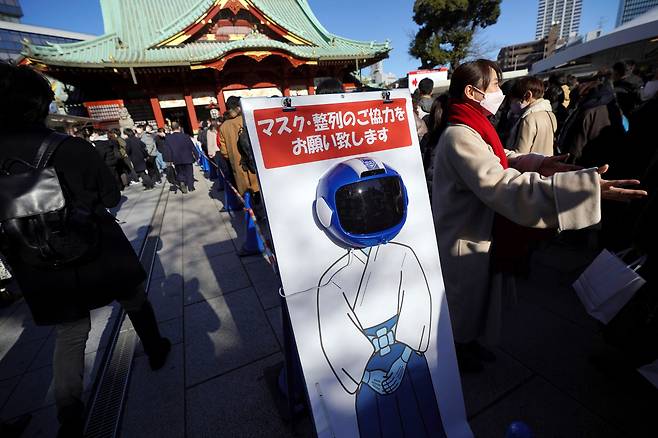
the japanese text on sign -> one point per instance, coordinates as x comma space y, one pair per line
320, 132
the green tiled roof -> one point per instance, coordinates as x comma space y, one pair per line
133, 29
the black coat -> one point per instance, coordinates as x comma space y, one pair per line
136, 150
179, 149
109, 151
67, 294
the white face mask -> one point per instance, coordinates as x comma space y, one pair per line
650, 89
492, 101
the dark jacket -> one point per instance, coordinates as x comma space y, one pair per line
109, 151
593, 132
137, 152
67, 294
179, 149
160, 144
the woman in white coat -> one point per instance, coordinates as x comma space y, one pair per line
481, 192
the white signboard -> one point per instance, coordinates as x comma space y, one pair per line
345, 193
439, 76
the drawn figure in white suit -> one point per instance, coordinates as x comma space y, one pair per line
374, 303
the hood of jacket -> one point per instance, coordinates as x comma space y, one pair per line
231, 114
540, 105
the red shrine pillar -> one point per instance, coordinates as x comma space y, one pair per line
191, 113
157, 112
221, 101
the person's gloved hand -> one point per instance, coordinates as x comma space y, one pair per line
374, 379
396, 373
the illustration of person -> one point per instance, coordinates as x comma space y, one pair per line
374, 303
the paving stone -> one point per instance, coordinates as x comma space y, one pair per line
171, 329
17, 359
19, 327
276, 321
34, 390
547, 411
168, 262
247, 410
266, 283
209, 278
155, 400
166, 296
225, 333
6, 388
43, 424
207, 245
482, 389
553, 292
561, 352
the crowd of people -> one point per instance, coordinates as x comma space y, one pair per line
508, 165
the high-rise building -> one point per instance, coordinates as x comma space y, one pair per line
10, 10
629, 9
564, 13
13, 33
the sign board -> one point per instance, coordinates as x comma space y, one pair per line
343, 185
438, 76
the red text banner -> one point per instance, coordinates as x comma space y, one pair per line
321, 132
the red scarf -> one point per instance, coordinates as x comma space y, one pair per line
469, 113
511, 242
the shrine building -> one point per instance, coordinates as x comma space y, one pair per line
176, 59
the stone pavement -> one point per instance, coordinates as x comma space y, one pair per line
223, 316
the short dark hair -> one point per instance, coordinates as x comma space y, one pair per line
619, 68
426, 86
175, 126
330, 86
233, 102
475, 73
529, 83
129, 132
26, 96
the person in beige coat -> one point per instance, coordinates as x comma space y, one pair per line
477, 183
534, 131
229, 133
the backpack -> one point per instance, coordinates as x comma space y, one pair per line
39, 223
247, 161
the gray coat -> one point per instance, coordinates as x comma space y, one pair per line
469, 187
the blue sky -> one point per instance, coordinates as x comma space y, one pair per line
358, 19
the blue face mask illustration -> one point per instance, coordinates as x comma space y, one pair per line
361, 202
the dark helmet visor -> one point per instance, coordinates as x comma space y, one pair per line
370, 206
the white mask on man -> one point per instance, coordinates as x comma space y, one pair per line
650, 89
492, 101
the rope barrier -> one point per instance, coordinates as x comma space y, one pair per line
268, 253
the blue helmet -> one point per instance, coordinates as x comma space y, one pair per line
361, 202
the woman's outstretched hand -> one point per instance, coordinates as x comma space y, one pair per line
612, 190
557, 164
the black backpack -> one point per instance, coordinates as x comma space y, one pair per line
247, 161
39, 223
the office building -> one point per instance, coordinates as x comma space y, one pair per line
522, 56
13, 33
629, 9
563, 13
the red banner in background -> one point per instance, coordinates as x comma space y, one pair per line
321, 132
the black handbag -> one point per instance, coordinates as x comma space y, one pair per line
41, 227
